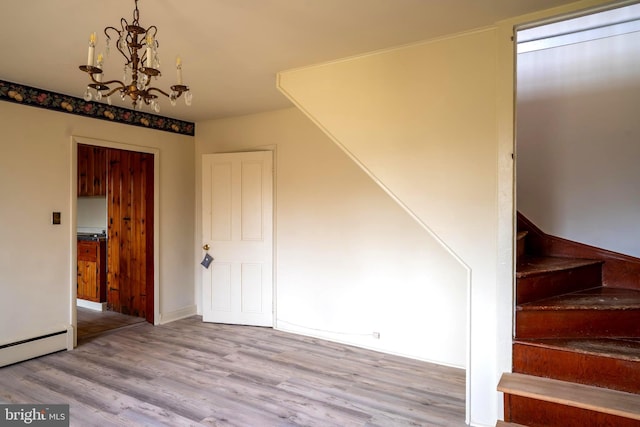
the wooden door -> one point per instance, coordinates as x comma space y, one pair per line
130, 233
237, 230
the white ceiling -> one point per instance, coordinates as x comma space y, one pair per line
231, 49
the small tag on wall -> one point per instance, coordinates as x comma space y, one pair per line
207, 261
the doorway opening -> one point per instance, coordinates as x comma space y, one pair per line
577, 98
116, 245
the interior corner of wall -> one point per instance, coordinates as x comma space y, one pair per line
313, 119
278, 78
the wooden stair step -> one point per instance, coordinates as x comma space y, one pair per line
600, 298
507, 424
570, 395
595, 313
609, 363
620, 348
544, 277
619, 270
540, 265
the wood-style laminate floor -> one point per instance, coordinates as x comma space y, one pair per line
189, 373
93, 323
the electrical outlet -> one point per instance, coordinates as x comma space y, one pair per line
376, 335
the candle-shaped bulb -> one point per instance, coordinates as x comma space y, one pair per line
179, 69
92, 48
149, 51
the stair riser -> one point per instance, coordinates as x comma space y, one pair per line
537, 413
600, 371
578, 324
557, 283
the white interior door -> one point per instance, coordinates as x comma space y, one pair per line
237, 231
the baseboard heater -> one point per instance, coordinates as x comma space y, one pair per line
34, 347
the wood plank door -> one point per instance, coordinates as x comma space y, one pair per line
130, 233
237, 226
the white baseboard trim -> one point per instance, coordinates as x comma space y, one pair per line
34, 347
97, 306
182, 313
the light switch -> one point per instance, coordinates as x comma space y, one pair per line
55, 219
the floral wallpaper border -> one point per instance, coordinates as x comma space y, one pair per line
26, 95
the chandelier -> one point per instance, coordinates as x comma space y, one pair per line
139, 47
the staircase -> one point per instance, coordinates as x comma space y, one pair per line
576, 349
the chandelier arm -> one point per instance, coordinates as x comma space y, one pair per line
114, 90
122, 85
155, 31
127, 37
158, 90
119, 33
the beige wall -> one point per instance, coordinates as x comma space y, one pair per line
422, 121
36, 266
418, 115
432, 124
349, 261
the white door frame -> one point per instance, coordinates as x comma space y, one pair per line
198, 247
73, 238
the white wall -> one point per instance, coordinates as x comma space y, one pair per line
578, 141
36, 271
349, 261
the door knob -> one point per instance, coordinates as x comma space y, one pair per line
206, 247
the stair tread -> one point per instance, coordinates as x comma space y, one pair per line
621, 348
598, 399
501, 423
600, 298
531, 266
